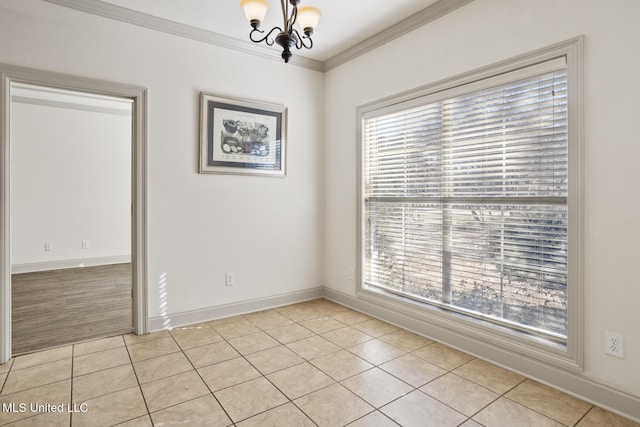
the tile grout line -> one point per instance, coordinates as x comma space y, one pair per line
379, 367
37, 364
584, 415
373, 412
500, 395
475, 383
479, 410
103, 369
339, 382
414, 389
240, 355
101, 349
320, 314
4, 383
34, 387
9, 394
201, 379
535, 410
269, 380
303, 361
226, 340
144, 399
244, 356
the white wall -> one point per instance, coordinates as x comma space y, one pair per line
485, 32
70, 182
268, 231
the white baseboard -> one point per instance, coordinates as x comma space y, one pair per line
234, 309
69, 263
572, 383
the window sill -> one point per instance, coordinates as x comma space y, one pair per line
470, 334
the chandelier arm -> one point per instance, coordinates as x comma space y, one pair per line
300, 40
287, 37
266, 38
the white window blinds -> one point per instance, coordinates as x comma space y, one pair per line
465, 199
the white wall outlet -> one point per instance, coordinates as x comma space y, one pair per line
614, 344
48, 247
350, 274
230, 279
85, 244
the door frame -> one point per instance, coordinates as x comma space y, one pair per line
10, 74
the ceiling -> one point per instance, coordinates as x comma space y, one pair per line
343, 24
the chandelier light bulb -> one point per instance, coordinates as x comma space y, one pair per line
286, 36
308, 17
255, 10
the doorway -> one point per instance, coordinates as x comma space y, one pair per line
71, 272
98, 260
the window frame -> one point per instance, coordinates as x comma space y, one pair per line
570, 355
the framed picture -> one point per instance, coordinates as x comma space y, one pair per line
242, 137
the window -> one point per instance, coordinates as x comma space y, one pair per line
465, 198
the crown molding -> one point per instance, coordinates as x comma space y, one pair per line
122, 14
403, 27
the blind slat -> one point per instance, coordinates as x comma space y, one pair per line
466, 201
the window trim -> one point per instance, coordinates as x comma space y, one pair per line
569, 356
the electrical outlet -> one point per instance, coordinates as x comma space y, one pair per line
47, 247
229, 279
614, 344
85, 244
350, 273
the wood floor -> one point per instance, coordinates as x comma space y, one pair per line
52, 308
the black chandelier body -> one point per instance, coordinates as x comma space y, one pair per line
287, 37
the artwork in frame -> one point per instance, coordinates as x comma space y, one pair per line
242, 137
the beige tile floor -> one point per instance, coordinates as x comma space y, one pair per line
313, 363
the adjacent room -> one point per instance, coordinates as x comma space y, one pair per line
71, 187
364, 213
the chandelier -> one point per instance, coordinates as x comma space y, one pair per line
287, 37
